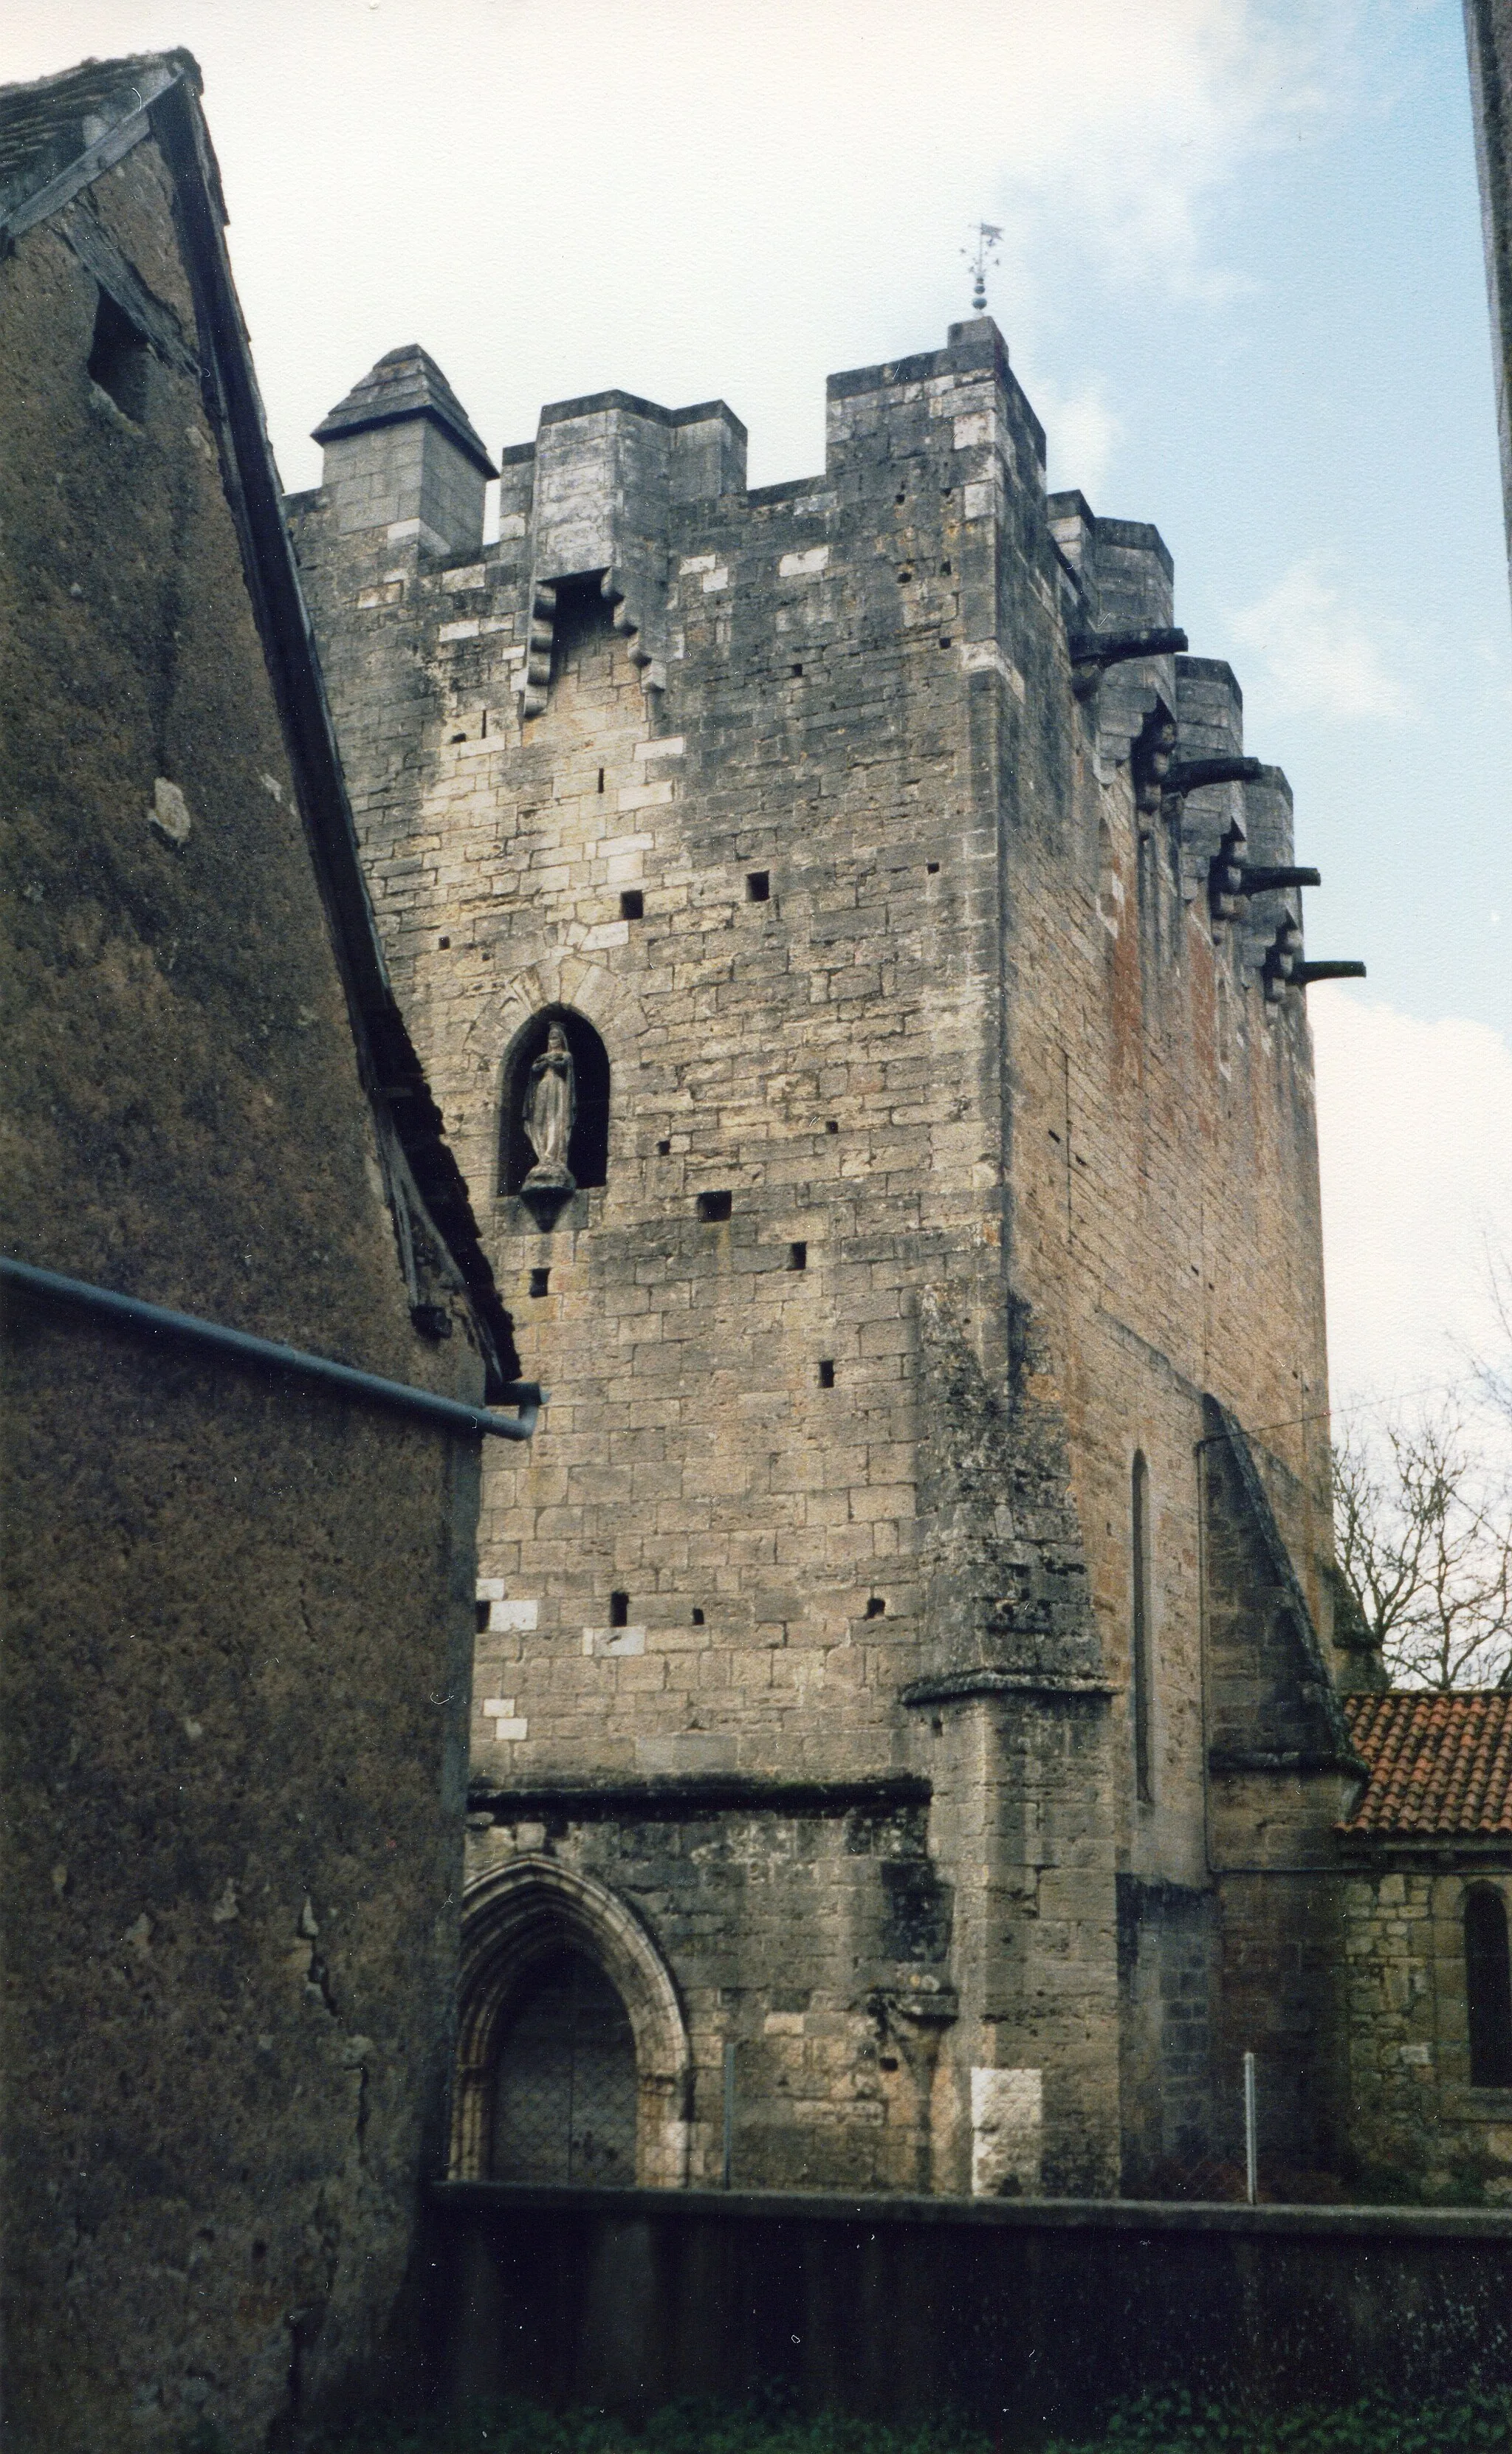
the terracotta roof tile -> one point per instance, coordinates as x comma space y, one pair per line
1438, 1763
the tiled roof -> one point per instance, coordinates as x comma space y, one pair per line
47, 126
1440, 1765
406, 383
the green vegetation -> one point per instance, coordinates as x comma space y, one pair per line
1472, 2423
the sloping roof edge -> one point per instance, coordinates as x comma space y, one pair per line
1273, 1541
423, 1170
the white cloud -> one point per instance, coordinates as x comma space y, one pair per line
1081, 433
1415, 1128
686, 199
1320, 655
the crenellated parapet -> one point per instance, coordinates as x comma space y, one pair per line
617, 495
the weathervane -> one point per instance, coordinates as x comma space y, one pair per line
979, 255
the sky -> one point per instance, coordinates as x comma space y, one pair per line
1241, 280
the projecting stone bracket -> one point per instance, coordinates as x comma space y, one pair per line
643, 633
1092, 653
962, 1683
534, 678
923, 2001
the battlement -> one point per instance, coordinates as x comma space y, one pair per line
933, 473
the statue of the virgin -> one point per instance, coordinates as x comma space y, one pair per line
551, 1105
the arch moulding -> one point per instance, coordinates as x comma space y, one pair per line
513, 1917
558, 977
555, 975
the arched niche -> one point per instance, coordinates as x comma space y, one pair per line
588, 1151
524, 1926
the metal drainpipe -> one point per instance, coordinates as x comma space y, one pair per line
266, 1355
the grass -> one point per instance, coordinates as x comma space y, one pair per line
1473, 2422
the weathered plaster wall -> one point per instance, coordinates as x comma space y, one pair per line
238, 1613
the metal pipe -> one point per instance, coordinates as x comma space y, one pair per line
1251, 2148
268, 1355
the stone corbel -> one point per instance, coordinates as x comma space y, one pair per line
646, 649
923, 2002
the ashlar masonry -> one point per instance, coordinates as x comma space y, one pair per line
909, 1661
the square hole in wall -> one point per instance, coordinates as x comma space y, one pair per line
798, 1257
876, 1607
483, 1609
932, 868
664, 1149
443, 943
632, 904
758, 886
541, 1282
619, 1610
797, 672
697, 1618
826, 1373
713, 1205
831, 1124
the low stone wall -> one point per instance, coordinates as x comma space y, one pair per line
1025, 2316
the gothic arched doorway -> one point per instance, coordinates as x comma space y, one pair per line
564, 2078
572, 2058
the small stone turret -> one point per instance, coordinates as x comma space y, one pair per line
401, 454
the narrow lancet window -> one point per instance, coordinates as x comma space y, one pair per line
1488, 1987
1140, 1645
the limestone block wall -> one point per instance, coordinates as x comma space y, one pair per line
1415, 2115
916, 1012
812, 1935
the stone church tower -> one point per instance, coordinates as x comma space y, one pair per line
905, 1738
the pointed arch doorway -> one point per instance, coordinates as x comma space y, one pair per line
572, 2058
564, 2095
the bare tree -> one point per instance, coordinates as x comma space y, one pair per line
1494, 1373
1423, 1516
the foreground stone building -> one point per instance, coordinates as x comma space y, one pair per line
239, 1583
862, 976
1427, 1902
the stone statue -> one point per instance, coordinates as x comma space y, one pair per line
551, 1105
